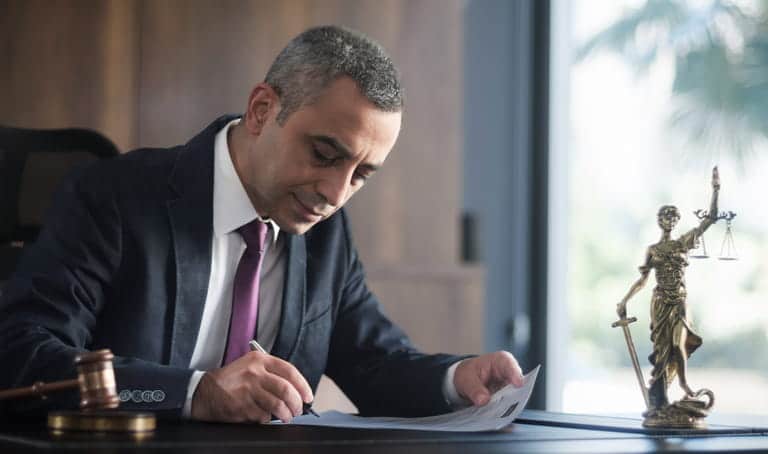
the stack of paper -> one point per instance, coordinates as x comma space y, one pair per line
498, 413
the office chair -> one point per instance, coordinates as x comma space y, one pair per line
32, 165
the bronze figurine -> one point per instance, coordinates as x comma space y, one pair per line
672, 335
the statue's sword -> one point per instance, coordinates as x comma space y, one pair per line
624, 323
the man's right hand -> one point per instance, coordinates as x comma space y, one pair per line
252, 388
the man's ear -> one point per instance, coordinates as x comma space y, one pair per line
262, 103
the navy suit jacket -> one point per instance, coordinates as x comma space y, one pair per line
123, 263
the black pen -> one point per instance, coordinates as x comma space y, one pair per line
306, 408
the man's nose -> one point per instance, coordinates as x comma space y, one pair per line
334, 188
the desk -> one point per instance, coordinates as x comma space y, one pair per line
534, 432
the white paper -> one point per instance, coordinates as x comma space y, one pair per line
498, 413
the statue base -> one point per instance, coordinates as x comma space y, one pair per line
687, 413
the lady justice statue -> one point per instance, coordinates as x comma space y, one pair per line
673, 337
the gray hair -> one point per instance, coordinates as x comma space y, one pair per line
319, 56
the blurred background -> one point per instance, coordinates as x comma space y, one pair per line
540, 138
656, 93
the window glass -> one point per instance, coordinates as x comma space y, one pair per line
659, 93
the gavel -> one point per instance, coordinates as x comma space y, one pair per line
98, 397
95, 379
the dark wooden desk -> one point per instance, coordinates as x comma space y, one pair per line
535, 432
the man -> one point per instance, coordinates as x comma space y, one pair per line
175, 259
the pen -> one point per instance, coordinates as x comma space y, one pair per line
255, 347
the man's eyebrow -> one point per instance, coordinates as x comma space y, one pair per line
343, 150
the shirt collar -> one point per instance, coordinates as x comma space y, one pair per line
232, 208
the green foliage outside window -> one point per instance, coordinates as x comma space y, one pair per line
719, 102
721, 65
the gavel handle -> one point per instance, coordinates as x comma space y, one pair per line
39, 389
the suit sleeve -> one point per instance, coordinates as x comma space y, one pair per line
50, 306
372, 359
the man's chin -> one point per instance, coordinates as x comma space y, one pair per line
298, 229
295, 227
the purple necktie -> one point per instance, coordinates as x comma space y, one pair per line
245, 291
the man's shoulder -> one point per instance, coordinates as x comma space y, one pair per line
140, 165
145, 166
146, 159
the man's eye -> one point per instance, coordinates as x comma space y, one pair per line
321, 158
361, 178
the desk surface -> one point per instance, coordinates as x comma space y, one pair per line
535, 432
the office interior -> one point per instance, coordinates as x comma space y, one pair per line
464, 234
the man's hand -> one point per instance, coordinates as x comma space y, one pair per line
251, 388
478, 378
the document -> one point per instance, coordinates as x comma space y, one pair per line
505, 405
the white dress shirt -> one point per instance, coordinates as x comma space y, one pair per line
232, 209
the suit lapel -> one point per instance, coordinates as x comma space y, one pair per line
294, 299
192, 245
190, 211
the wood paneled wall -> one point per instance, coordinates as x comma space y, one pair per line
155, 72
201, 58
70, 63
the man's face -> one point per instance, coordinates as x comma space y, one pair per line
303, 171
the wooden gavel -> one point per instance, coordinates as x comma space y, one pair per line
95, 379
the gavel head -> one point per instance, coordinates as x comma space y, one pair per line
96, 379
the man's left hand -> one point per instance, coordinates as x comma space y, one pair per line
478, 378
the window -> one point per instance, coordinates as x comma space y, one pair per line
668, 89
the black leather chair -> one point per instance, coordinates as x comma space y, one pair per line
32, 165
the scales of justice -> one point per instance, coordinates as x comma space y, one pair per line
672, 334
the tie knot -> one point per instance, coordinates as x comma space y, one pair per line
254, 233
